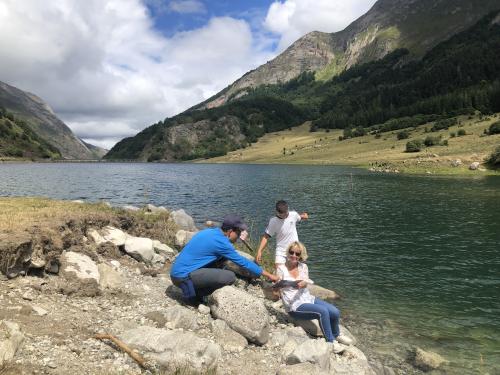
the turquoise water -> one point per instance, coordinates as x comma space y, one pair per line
415, 257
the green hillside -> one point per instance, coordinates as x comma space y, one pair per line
17, 140
458, 76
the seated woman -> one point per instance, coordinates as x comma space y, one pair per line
300, 303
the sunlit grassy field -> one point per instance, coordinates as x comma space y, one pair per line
300, 146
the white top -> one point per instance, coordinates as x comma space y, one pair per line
292, 297
284, 230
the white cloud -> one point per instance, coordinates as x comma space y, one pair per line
105, 70
292, 19
187, 6
108, 73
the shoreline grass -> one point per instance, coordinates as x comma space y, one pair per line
300, 146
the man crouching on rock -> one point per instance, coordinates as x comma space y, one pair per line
194, 270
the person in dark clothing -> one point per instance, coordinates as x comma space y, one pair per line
194, 270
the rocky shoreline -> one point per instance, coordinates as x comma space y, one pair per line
92, 278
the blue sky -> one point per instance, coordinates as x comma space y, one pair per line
110, 68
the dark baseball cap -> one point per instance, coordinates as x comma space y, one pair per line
234, 221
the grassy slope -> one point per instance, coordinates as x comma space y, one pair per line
325, 148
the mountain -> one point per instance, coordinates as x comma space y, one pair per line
98, 152
417, 25
42, 121
402, 89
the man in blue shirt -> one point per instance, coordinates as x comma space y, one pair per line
193, 269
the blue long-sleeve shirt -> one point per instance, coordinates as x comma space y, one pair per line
206, 247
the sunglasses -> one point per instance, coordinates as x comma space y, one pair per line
291, 252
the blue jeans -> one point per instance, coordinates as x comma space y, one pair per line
328, 317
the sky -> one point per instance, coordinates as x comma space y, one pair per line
110, 68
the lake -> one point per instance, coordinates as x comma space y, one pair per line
416, 258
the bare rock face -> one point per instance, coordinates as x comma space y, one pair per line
323, 293
173, 349
244, 313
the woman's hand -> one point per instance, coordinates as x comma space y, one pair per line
302, 284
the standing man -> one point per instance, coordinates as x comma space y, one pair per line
194, 270
283, 226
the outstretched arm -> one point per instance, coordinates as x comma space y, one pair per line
304, 216
263, 244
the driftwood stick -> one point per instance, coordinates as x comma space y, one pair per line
136, 357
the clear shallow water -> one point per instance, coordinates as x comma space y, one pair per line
416, 258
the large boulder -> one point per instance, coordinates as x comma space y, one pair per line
11, 339
242, 312
182, 237
180, 317
116, 236
240, 270
79, 266
173, 349
156, 210
229, 339
427, 361
323, 293
313, 351
310, 326
166, 251
81, 274
183, 220
140, 248
109, 278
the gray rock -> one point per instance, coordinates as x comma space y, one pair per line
182, 237
240, 270
474, 166
164, 250
229, 339
95, 236
109, 278
173, 349
323, 293
352, 352
310, 326
116, 236
180, 317
183, 220
39, 310
78, 266
312, 351
456, 163
12, 343
203, 309
130, 208
244, 313
156, 210
427, 361
140, 248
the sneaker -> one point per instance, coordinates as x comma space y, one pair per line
344, 340
337, 347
